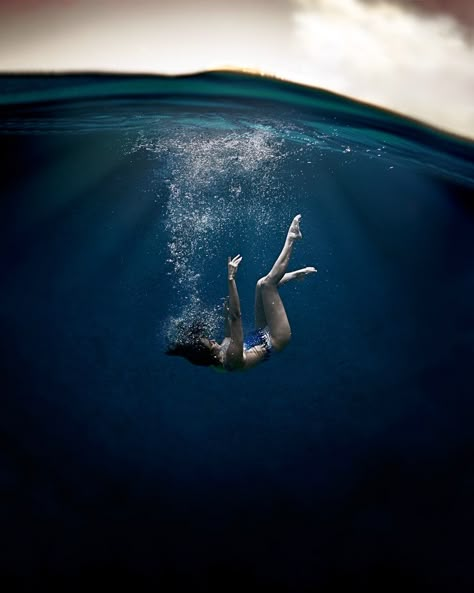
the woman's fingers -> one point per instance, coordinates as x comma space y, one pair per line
233, 266
235, 260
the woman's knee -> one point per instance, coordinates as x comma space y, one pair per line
265, 282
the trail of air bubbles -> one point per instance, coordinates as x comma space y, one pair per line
222, 185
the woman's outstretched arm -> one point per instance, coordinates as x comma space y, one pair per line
235, 352
226, 318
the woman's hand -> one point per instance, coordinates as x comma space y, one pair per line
232, 266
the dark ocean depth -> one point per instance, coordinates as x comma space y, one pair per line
345, 462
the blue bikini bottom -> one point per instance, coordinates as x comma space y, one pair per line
259, 337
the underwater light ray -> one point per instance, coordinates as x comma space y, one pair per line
60, 183
130, 219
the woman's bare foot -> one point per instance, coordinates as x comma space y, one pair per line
294, 231
297, 275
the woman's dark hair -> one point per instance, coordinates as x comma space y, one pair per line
190, 346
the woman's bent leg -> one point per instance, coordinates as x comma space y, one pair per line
269, 308
275, 315
260, 318
279, 267
297, 275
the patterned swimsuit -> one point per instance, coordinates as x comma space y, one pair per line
259, 337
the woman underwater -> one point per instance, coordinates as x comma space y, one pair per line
272, 331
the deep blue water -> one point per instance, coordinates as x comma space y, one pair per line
346, 460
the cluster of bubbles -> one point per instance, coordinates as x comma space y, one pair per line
227, 181
222, 184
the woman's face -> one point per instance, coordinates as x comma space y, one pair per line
213, 346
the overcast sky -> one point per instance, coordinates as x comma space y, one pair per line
416, 57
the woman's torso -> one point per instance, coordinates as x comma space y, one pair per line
257, 347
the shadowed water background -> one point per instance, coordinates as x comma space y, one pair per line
346, 460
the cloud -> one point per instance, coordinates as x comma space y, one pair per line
389, 56
462, 11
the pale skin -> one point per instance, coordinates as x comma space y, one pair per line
269, 309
